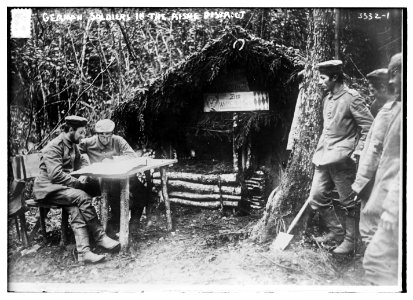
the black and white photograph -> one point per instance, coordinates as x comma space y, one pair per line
205, 149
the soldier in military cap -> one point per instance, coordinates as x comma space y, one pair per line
55, 185
345, 114
381, 259
379, 89
105, 145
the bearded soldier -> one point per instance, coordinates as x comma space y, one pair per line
56, 186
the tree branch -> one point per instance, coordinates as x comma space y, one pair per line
126, 38
74, 103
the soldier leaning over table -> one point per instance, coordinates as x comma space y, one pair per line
344, 113
373, 148
104, 146
381, 259
55, 185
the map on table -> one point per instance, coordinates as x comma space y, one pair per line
119, 166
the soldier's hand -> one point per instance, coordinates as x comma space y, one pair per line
355, 157
388, 221
82, 179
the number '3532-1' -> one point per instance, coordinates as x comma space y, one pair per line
371, 16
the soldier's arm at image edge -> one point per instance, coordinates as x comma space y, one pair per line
54, 161
363, 118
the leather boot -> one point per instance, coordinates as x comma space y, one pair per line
349, 244
84, 255
100, 236
336, 232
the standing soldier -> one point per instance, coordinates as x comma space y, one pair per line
106, 145
381, 259
340, 144
371, 155
55, 185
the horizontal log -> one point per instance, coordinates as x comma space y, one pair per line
209, 204
255, 189
203, 197
255, 202
257, 178
200, 188
200, 178
256, 206
249, 181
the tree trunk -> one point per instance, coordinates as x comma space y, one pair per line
296, 181
336, 33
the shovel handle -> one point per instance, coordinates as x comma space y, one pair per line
298, 216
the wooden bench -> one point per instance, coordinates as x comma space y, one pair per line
27, 167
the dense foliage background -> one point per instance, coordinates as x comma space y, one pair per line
86, 67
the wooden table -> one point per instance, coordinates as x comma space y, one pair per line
123, 168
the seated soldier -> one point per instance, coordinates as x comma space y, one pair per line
106, 145
55, 185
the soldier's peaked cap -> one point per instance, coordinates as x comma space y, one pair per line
104, 125
75, 121
395, 61
330, 66
379, 74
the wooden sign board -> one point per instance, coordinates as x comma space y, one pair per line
236, 101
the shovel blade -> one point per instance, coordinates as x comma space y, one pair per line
282, 241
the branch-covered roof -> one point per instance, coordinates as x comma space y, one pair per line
271, 65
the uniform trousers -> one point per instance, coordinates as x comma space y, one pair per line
381, 258
137, 196
76, 202
340, 175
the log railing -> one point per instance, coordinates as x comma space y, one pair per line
213, 190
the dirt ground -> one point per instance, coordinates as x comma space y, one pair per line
207, 247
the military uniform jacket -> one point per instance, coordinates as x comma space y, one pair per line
96, 151
57, 160
373, 147
343, 114
385, 193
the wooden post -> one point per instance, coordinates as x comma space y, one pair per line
43, 214
16, 221
149, 186
164, 181
104, 206
234, 148
25, 239
124, 214
63, 229
248, 162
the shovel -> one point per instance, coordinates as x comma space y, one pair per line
283, 239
